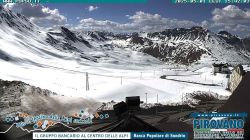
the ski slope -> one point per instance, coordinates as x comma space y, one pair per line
119, 72
108, 83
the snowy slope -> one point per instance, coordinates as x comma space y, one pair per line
27, 56
21, 41
59, 59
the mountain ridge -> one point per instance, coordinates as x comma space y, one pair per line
178, 45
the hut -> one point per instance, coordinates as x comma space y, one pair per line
221, 68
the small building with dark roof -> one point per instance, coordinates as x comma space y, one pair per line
221, 68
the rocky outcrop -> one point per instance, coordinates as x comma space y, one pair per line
11, 93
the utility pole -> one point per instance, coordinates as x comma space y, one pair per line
156, 106
157, 99
121, 80
14, 104
146, 98
182, 104
87, 81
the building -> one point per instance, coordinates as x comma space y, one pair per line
239, 101
127, 120
221, 68
236, 77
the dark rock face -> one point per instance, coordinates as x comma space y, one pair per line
170, 53
51, 40
225, 33
5, 56
238, 43
246, 43
64, 40
135, 39
68, 34
182, 33
231, 39
121, 36
15, 20
67, 39
98, 35
180, 52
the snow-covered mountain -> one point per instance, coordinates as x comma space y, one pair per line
190, 45
183, 46
118, 65
180, 45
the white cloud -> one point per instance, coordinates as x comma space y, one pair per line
92, 8
230, 18
38, 14
241, 28
236, 29
103, 25
156, 21
140, 21
231, 14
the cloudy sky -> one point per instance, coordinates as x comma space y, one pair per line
154, 15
